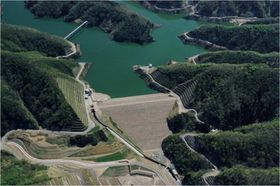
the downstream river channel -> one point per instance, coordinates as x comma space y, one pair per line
112, 62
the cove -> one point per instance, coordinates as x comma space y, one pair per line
112, 62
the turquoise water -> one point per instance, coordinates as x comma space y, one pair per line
112, 62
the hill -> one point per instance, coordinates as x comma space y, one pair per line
239, 57
20, 39
237, 8
20, 172
29, 85
225, 95
261, 38
237, 175
255, 147
122, 24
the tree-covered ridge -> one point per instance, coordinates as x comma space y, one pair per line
261, 38
167, 4
240, 175
29, 91
20, 172
237, 8
240, 57
256, 145
237, 175
118, 20
14, 114
184, 160
226, 95
18, 39
39, 92
248, 150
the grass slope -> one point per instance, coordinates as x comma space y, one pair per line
74, 95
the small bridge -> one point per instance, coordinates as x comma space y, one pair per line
76, 29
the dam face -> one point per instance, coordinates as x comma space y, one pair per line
142, 118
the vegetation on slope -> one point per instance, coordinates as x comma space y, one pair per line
122, 24
268, 20
18, 39
39, 92
239, 57
93, 139
19, 172
237, 8
168, 4
255, 145
237, 175
227, 96
29, 86
14, 114
184, 160
261, 38
248, 176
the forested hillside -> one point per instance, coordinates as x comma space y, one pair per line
18, 39
184, 160
29, 91
237, 8
226, 95
20, 172
237, 175
113, 18
240, 57
261, 38
255, 147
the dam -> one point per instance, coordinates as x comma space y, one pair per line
143, 118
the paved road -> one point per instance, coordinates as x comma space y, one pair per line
73, 49
132, 100
193, 59
211, 173
9, 146
91, 124
181, 107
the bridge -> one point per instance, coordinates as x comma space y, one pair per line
74, 31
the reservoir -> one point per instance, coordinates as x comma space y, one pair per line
111, 72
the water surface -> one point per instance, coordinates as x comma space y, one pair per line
112, 62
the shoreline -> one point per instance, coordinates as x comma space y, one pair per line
203, 43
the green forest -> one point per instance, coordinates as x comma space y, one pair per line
20, 39
260, 38
237, 8
255, 145
20, 172
29, 90
184, 160
122, 24
246, 155
92, 138
240, 57
228, 95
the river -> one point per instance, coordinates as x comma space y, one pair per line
112, 62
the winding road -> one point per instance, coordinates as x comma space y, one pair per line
211, 173
179, 102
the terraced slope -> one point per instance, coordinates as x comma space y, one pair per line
226, 96
29, 82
